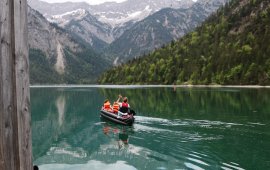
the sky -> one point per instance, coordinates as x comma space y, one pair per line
92, 2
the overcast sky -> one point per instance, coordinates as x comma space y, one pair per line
92, 2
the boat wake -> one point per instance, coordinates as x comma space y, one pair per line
181, 141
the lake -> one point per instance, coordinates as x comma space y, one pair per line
186, 128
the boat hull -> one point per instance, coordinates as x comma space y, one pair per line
129, 120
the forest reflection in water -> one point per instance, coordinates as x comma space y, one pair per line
204, 103
187, 128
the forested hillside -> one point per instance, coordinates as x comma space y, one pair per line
231, 47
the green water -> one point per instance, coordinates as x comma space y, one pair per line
190, 128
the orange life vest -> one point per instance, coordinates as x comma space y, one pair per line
115, 107
107, 106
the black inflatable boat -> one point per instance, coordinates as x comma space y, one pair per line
124, 120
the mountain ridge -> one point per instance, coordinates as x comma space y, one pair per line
230, 48
160, 28
110, 11
55, 54
134, 36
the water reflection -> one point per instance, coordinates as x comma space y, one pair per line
60, 104
57, 115
183, 129
118, 133
198, 103
91, 165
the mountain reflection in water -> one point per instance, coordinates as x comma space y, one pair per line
185, 128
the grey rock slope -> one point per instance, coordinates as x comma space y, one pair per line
161, 28
100, 25
129, 29
111, 12
58, 57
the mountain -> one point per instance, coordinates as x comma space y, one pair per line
58, 57
82, 24
74, 18
231, 47
160, 28
100, 25
51, 9
133, 10
124, 30
111, 12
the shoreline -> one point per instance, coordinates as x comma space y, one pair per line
144, 86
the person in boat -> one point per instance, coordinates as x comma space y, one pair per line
115, 107
107, 105
124, 107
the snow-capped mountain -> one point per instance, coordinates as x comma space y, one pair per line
131, 28
100, 25
82, 24
133, 10
56, 54
50, 9
160, 28
63, 19
111, 12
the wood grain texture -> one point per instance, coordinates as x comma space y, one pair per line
15, 130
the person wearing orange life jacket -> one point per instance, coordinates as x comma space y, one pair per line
115, 107
107, 105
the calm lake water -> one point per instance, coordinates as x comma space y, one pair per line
190, 128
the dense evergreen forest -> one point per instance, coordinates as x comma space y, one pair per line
231, 47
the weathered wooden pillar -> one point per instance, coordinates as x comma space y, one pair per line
15, 130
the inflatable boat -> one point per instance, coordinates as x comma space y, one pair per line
124, 120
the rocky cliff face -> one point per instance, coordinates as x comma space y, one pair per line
111, 12
161, 28
100, 25
82, 24
56, 54
48, 37
133, 10
124, 30
120, 31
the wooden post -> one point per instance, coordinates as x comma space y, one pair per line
15, 129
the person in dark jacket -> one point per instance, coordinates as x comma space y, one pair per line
124, 106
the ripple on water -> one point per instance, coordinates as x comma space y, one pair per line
185, 122
256, 123
231, 165
180, 141
198, 161
171, 130
192, 166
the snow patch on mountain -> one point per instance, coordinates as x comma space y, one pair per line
65, 18
111, 13
124, 17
